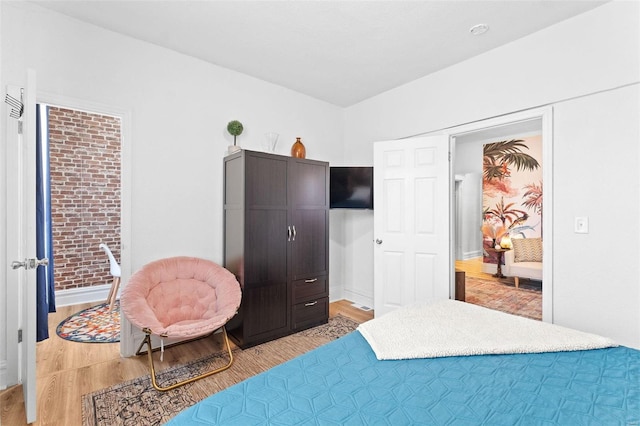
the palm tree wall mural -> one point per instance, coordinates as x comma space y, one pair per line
511, 190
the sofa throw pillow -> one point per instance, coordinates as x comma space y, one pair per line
527, 249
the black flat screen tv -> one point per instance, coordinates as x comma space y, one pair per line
351, 187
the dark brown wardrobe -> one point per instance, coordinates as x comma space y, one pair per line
276, 242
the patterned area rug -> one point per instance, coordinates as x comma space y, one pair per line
525, 302
92, 325
136, 402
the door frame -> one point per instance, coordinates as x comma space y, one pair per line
545, 114
126, 335
10, 371
20, 284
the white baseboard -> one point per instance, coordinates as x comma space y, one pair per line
471, 254
77, 296
358, 298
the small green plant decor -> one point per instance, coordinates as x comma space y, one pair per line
235, 128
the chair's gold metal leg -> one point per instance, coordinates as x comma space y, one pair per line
147, 341
143, 342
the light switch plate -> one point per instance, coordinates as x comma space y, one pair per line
581, 225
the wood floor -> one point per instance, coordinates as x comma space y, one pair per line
67, 370
473, 268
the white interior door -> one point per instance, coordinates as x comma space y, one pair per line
411, 222
21, 245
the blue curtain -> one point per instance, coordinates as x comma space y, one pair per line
44, 245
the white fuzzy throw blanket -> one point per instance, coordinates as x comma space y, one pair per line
452, 328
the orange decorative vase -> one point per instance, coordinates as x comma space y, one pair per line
298, 150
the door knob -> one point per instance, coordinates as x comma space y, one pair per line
378, 241
41, 262
16, 264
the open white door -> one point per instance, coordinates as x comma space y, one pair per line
21, 244
411, 222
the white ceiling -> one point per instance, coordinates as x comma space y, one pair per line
341, 52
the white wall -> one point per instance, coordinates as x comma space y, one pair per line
179, 108
469, 217
596, 174
593, 52
337, 243
468, 164
358, 277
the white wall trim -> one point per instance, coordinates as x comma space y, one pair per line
77, 296
126, 339
3, 227
3, 374
547, 212
546, 115
12, 312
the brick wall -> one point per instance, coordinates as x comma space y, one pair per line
85, 195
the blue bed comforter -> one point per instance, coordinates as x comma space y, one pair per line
342, 383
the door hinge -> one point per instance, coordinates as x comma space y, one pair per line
19, 127
20, 336
449, 156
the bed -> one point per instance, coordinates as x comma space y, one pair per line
345, 383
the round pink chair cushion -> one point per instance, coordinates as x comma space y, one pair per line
181, 297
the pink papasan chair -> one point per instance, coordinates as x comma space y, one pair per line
181, 298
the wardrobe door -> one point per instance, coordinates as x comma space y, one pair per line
265, 300
309, 245
309, 251
266, 304
309, 219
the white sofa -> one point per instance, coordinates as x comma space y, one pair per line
524, 260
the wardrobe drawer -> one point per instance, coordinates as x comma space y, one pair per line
311, 288
310, 313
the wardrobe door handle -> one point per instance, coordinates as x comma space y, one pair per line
294, 233
288, 233
311, 303
311, 281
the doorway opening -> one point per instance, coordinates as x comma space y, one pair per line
476, 204
85, 182
85, 175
